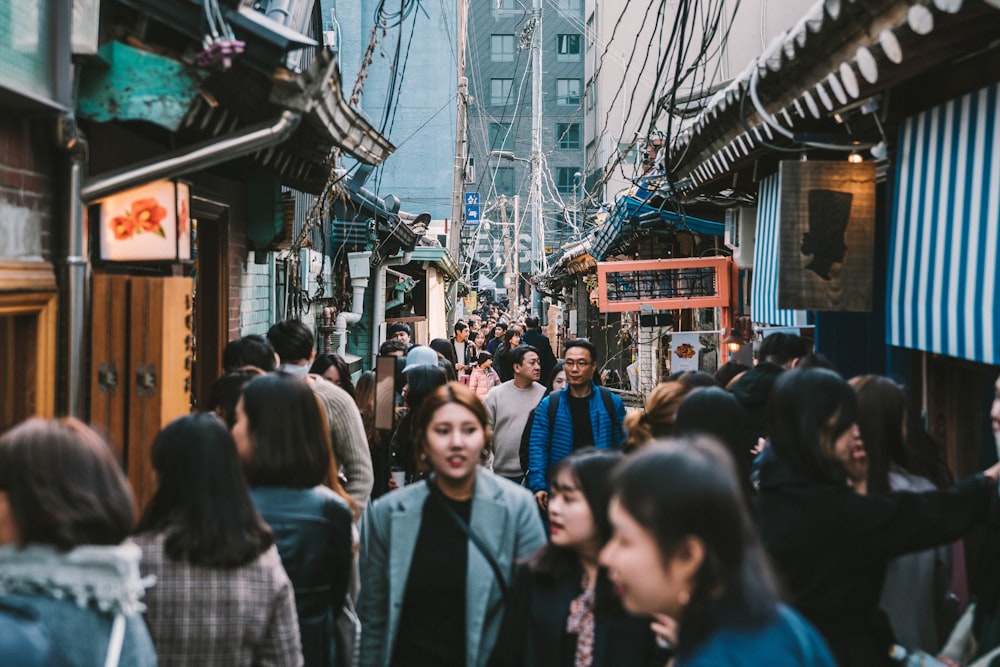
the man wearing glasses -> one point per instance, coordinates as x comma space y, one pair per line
583, 415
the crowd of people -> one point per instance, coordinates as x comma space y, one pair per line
506, 510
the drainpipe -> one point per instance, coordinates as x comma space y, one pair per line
359, 265
194, 158
400, 291
378, 308
74, 306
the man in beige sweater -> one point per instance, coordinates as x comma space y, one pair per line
508, 407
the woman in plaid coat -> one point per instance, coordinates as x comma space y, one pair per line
221, 596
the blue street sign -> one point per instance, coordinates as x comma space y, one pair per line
472, 214
472, 199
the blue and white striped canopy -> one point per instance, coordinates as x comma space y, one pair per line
764, 291
945, 231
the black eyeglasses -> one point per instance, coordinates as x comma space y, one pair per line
576, 363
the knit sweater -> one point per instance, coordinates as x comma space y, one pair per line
508, 408
350, 445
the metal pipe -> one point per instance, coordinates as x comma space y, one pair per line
77, 292
193, 158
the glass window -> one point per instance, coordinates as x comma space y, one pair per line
591, 32
568, 48
501, 137
500, 91
568, 136
567, 92
503, 180
502, 48
566, 179
591, 95
575, 6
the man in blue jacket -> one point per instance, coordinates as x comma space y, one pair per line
584, 415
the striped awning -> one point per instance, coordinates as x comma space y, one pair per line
942, 293
764, 291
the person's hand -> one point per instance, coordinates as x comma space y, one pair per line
761, 443
665, 629
542, 498
992, 473
392, 483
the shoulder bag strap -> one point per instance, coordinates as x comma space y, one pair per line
116, 641
473, 537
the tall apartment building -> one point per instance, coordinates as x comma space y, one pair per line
498, 67
622, 48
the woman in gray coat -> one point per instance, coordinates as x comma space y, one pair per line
431, 594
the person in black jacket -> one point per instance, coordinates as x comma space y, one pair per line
831, 545
563, 608
533, 336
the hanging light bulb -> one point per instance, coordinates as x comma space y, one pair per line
732, 342
855, 158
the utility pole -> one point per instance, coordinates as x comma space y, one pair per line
458, 183
538, 263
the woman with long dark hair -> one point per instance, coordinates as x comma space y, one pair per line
830, 544
903, 457
334, 368
683, 546
563, 610
511, 339
437, 557
221, 593
283, 440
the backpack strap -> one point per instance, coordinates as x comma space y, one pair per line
609, 405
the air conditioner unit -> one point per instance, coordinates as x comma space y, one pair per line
741, 227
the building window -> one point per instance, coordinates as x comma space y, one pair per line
503, 180
568, 48
500, 91
591, 32
568, 136
502, 48
501, 137
630, 154
566, 179
575, 6
567, 92
591, 95
501, 7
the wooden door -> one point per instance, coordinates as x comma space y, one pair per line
109, 378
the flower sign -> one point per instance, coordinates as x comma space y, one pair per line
147, 223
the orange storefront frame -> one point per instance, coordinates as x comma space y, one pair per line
722, 267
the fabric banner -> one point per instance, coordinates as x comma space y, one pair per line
826, 235
685, 349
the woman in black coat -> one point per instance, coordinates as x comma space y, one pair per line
563, 609
831, 545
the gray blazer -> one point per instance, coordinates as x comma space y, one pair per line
504, 516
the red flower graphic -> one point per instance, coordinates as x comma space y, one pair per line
145, 216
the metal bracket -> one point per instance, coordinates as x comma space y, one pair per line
145, 380
107, 378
